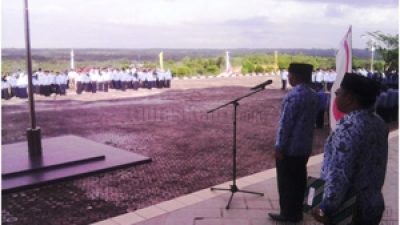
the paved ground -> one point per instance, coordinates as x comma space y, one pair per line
206, 207
191, 150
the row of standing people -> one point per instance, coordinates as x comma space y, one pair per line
44, 83
320, 78
94, 80
47, 83
325, 78
322, 81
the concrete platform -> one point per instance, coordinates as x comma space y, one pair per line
64, 157
207, 207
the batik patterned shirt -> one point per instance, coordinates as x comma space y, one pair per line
355, 159
296, 123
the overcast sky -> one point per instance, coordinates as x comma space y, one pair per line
221, 24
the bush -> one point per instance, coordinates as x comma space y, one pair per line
259, 69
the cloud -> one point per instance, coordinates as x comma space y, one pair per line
196, 23
356, 3
257, 22
334, 11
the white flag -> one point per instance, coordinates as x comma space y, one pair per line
72, 59
161, 56
343, 65
228, 67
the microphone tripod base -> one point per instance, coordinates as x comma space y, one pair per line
233, 190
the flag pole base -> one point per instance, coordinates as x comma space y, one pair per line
34, 142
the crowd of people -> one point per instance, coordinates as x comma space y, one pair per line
90, 80
322, 82
319, 78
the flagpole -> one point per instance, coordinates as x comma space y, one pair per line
33, 133
161, 57
72, 59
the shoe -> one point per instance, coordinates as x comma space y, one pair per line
280, 218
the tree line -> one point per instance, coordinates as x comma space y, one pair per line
386, 47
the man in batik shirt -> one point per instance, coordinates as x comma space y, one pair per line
294, 142
355, 154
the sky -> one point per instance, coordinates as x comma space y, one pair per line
222, 24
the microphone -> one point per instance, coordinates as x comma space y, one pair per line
262, 85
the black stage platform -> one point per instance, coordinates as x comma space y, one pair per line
63, 158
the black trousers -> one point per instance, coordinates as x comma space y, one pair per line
320, 119
284, 82
292, 182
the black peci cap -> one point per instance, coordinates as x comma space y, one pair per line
300, 69
366, 89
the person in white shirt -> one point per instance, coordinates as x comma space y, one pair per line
146, 83
135, 81
161, 78
140, 75
86, 81
61, 80
12, 81
100, 80
319, 79
79, 82
168, 78
115, 78
72, 74
152, 78
331, 79
46, 82
284, 78
94, 76
124, 79
129, 79
52, 81
22, 85
107, 79
5, 86
35, 81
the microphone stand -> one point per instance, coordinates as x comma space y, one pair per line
233, 188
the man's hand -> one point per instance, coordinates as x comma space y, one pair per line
319, 215
279, 155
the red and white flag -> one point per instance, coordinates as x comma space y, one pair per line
343, 65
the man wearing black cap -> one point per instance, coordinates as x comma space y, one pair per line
355, 154
294, 142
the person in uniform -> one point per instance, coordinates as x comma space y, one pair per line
355, 154
319, 79
87, 83
322, 107
141, 78
5, 94
117, 78
22, 86
12, 81
107, 79
35, 81
100, 80
168, 78
124, 79
62, 82
94, 77
79, 82
52, 80
294, 143
284, 77
331, 79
